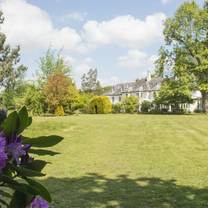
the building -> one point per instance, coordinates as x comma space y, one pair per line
146, 89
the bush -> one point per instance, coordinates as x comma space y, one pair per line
59, 111
198, 111
7, 99
117, 108
146, 106
34, 100
100, 105
130, 104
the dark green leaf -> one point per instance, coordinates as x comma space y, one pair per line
37, 165
23, 188
11, 124
19, 200
40, 189
25, 121
27, 172
44, 141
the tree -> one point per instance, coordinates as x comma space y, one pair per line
90, 84
130, 104
186, 48
56, 90
73, 98
33, 99
11, 72
146, 106
52, 62
173, 93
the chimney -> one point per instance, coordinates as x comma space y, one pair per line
149, 76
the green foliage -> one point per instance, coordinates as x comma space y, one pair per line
100, 105
174, 93
7, 99
72, 101
52, 62
18, 178
117, 108
90, 84
56, 89
83, 102
185, 51
130, 104
146, 106
34, 100
11, 72
59, 111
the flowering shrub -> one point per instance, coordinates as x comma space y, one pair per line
100, 105
59, 111
17, 167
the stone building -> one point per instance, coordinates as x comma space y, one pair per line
146, 89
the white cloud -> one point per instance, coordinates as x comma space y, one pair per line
166, 1
136, 59
125, 31
75, 16
32, 28
80, 65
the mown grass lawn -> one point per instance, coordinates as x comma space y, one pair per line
127, 161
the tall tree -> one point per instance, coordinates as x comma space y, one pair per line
186, 47
11, 73
52, 62
90, 83
57, 89
174, 92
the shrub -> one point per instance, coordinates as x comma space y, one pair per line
100, 105
146, 106
7, 99
117, 108
130, 104
59, 110
198, 111
34, 100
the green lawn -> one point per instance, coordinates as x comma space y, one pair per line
127, 161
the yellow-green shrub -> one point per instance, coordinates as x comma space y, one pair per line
100, 105
59, 111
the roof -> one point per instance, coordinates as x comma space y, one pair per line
136, 86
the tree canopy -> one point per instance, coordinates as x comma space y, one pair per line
186, 48
11, 72
90, 83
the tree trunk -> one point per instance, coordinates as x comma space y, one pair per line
205, 102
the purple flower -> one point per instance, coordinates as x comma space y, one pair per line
16, 150
38, 202
3, 155
26, 158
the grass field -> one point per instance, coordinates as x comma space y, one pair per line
127, 161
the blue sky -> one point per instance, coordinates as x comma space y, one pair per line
119, 38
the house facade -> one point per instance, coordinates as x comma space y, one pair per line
146, 89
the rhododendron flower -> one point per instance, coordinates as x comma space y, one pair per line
38, 202
16, 150
3, 155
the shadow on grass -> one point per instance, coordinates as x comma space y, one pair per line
95, 190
